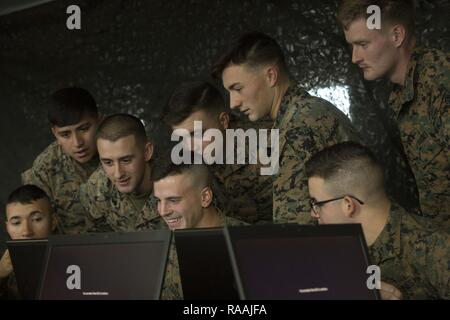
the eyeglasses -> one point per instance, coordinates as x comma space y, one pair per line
315, 205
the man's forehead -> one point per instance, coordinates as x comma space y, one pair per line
88, 119
358, 31
26, 209
174, 185
235, 72
122, 145
188, 123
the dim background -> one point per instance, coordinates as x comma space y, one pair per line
131, 54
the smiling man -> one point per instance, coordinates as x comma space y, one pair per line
117, 196
254, 72
29, 215
69, 161
419, 100
185, 200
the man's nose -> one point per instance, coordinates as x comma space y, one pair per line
118, 172
164, 209
356, 55
235, 101
27, 230
78, 140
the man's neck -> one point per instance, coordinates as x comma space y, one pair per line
211, 218
374, 219
146, 184
398, 75
280, 91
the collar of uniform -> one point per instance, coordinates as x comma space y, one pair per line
388, 243
403, 94
148, 216
294, 92
71, 165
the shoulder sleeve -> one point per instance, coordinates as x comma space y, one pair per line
437, 263
40, 174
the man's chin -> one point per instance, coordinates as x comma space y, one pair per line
253, 117
82, 160
127, 189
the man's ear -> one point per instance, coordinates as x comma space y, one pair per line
207, 197
272, 74
224, 119
398, 35
54, 133
148, 151
348, 207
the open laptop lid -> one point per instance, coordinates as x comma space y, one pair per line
106, 266
205, 267
290, 261
27, 257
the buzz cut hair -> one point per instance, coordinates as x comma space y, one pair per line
201, 175
347, 168
121, 125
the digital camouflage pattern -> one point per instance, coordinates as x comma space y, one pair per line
413, 255
306, 125
172, 289
244, 193
60, 177
108, 210
421, 110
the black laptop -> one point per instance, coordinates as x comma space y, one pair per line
205, 267
27, 258
105, 266
300, 262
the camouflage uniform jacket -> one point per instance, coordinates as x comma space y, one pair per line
246, 194
108, 210
172, 289
421, 110
306, 125
60, 177
413, 256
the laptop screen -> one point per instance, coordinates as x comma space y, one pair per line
205, 267
300, 262
112, 266
27, 257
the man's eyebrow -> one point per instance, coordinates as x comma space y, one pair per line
35, 212
233, 86
83, 124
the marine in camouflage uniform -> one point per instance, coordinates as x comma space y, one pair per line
172, 289
306, 125
245, 194
60, 177
421, 110
413, 256
108, 210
